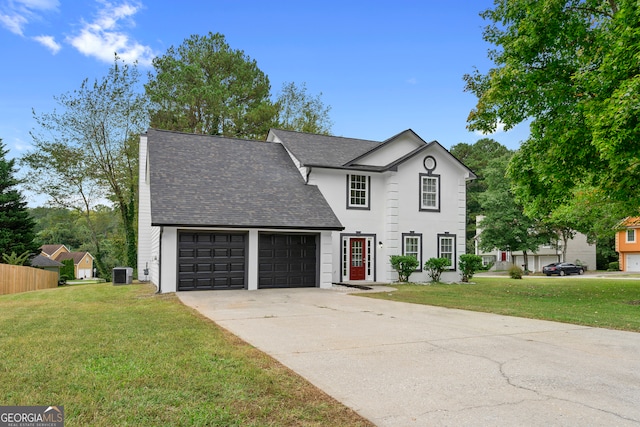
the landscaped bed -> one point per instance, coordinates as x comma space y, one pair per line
122, 355
607, 303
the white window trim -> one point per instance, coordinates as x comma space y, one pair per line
627, 235
412, 235
441, 237
423, 207
367, 191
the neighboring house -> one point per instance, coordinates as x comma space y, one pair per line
82, 261
46, 263
298, 210
579, 251
628, 244
52, 251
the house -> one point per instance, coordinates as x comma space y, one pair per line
46, 263
296, 210
579, 251
628, 244
82, 261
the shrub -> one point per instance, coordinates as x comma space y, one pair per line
515, 272
435, 267
404, 265
614, 266
469, 264
68, 269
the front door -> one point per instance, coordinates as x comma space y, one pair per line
356, 258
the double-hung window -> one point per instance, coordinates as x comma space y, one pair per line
631, 235
447, 249
429, 192
358, 191
412, 246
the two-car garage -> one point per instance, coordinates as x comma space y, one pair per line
212, 260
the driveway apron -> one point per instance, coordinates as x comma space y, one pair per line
401, 364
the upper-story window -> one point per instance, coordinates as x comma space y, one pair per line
358, 191
429, 192
631, 235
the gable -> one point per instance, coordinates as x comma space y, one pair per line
211, 181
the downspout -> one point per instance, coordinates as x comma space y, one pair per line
159, 291
308, 173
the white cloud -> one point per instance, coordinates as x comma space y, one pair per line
16, 14
49, 42
104, 37
412, 81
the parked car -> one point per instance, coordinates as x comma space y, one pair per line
562, 269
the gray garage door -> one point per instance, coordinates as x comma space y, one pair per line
208, 260
287, 260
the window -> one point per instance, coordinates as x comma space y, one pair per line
412, 246
447, 248
358, 191
429, 192
631, 235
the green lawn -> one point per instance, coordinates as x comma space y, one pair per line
607, 303
121, 355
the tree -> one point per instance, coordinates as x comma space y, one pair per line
301, 112
203, 86
505, 226
468, 265
16, 225
567, 67
476, 157
89, 150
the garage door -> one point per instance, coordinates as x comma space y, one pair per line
633, 262
208, 260
287, 260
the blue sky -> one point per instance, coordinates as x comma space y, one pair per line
382, 66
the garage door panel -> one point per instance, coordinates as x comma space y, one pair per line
287, 260
211, 260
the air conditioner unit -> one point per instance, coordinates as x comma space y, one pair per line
122, 276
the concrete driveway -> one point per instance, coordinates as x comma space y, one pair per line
402, 364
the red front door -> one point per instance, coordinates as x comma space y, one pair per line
356, 259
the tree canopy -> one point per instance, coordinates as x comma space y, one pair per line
88, 151
477, 156
16, 225
570, 69
203, 86
299, 111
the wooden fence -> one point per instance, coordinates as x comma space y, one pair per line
16, 278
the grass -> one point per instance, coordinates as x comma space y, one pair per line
121, 355
606, 303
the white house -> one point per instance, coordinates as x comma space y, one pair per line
299, 210
579, 251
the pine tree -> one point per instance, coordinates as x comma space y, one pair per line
16, 225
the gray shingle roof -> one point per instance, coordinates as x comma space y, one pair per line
323, 150
43, 261
200, 180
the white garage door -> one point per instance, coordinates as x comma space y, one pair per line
633, 262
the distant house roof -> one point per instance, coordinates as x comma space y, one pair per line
201, 180
43, 261
630, 221
75, 256
51, 249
